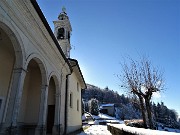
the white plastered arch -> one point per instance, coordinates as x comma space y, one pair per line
16, 40
41, 64
54, 75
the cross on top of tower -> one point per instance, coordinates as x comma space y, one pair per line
64, 9
63, 14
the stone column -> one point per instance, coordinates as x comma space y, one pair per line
56, 127
62, 101
14, 97
41, 127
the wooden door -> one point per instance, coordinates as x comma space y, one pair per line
50, 118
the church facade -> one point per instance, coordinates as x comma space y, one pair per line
40, 85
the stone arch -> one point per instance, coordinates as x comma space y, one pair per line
53, 103
56, 79
16, 40
41, 64
34, 82
11, 59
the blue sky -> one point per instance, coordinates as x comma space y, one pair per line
106, 31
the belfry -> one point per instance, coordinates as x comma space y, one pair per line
62, 31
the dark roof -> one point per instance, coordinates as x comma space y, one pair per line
107, 105
72, 61
43, 19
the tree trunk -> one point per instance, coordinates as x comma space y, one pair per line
143, 110
149, 113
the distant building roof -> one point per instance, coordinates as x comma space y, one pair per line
105, 105
75, 66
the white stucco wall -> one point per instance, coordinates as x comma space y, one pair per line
35, 42
7, 59
74, 121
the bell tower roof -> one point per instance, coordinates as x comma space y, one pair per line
63, 14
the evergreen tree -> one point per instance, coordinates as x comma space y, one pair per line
93, 107
166, 116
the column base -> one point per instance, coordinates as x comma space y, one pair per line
12, 130
40, 130
57, 130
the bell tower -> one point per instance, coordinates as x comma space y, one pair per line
62, 31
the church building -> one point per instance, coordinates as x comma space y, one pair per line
40, 84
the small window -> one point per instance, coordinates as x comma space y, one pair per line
77, 86
71, 100
1, 107
77, 105
0, 104
68, 37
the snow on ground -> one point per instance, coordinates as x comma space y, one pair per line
100, 116
96, 130
142, 131
104, 116
84, 117
169, 129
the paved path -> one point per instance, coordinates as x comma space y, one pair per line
96, 130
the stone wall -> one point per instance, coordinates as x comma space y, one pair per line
117, 131
122, 129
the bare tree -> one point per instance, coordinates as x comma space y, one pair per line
142, 80
152, 82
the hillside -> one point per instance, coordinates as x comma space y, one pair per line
103, 95
128, 107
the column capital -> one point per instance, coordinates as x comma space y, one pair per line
20, 70
44, 87
58, 94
